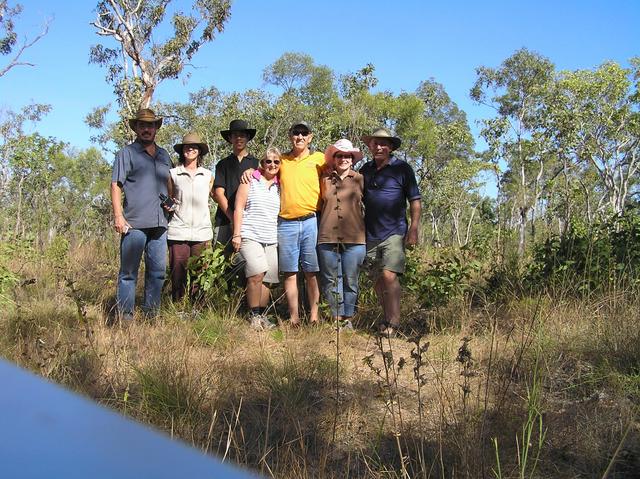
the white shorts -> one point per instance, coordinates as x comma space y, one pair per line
260, 258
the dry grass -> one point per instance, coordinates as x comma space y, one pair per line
276, 402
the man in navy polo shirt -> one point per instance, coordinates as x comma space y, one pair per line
141, 171
388, 184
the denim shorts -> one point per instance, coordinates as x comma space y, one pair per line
387, 254
297, 241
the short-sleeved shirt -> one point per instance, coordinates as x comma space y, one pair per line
228, 173
142, 178
300, 183
386, 192
341, 217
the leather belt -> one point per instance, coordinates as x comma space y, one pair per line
300, 218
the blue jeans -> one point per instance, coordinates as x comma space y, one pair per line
297, 245
339, 271
153, 243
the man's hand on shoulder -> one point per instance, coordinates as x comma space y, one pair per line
246, 176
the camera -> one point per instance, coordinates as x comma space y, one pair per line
167, 202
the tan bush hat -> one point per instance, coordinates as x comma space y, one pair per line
145, 114
383, 133
192, 139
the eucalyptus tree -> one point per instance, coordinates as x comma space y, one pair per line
34, 173
136, 60
308, 92
593, 120
357, 116
208, 111
516, 92
12, 128
448, 171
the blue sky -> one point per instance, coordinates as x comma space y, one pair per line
408, 41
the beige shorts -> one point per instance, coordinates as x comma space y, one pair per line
387, 254
260, 258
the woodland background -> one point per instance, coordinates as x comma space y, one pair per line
521, 354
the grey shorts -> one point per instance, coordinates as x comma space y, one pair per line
260, 258
387, 254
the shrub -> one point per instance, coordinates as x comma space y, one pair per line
435, 284
587, 259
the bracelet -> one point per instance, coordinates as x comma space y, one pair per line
236, 236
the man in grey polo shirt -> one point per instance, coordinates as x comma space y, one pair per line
141, 171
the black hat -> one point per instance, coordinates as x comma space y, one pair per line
238, 125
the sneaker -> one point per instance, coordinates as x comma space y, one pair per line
266, 324
345, 324
256, 323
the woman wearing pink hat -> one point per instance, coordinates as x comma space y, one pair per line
341, 234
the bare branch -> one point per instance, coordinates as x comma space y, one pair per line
15, 61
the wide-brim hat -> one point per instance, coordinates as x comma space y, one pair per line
192, 139
345, 146
238, 125
145, 114
383, 133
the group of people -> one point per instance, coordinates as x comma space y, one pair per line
285, 213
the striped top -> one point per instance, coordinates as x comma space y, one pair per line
260, 217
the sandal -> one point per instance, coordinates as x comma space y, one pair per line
295, 325
386, 330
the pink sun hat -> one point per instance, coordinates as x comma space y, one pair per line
345, 146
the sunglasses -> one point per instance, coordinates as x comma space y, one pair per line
300, 132
343, 156
190, 147
268, 162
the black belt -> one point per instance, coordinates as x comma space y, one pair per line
300, 218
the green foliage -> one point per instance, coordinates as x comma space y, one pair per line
587, 259
209, 272
14, 254
211, 330
169, 393
8, 35
436, 283
8, 281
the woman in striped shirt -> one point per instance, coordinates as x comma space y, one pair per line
255, 234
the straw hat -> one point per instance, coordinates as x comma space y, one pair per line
383, 133
145, 114
192, 139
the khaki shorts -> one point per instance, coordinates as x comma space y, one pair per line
387, 254
260, 258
